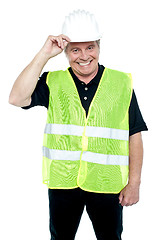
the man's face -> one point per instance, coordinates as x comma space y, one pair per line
83, 58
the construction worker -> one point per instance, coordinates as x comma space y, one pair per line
92, 149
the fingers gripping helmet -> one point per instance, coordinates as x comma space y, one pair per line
81, 26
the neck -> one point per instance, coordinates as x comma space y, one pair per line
86, 78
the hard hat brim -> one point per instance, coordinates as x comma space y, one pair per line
73, 39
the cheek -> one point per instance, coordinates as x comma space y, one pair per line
97, 55
72, 58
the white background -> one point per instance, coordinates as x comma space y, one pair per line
130, 43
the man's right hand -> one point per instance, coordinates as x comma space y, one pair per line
54, 45
26, 82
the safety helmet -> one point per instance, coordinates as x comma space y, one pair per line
81, 26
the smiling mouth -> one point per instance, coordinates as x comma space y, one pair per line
84, 64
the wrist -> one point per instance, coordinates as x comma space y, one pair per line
41, 58
134, 182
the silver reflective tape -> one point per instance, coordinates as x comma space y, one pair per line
110, 133
105, 159
102, 132
55, 154
64, 129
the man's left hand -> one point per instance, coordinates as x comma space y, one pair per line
129, 195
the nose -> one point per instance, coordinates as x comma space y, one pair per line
84, 56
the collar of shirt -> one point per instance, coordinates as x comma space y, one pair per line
95, 80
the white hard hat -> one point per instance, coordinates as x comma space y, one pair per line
81, 26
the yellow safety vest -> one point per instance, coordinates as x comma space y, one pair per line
91, 153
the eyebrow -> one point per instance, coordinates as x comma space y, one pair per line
91, 45
74, 48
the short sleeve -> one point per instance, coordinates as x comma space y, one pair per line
40, 96
136, 121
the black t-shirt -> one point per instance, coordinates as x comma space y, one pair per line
86, 92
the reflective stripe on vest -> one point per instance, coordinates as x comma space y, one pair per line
54, 154
75, 130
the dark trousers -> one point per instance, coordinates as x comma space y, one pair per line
66, 208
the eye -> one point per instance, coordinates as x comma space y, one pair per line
90, 47
75, 50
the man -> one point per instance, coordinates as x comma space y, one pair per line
92, 135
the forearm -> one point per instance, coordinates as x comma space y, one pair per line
135, 159
130, 194
26, 82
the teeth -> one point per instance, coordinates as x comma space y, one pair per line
84, 64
